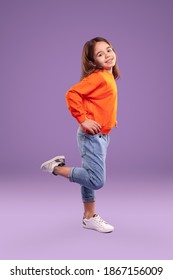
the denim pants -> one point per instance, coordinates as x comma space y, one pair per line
92, 175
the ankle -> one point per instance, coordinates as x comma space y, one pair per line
56, 170
88, 215
62, 171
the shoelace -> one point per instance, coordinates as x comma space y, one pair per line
100, 220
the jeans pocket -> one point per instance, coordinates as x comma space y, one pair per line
92, 144
98, 144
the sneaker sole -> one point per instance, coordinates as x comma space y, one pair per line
98, 229
57, 158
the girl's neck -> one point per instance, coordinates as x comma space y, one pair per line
107, 71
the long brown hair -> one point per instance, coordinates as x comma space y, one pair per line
88, 64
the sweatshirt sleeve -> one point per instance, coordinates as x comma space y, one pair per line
76, 94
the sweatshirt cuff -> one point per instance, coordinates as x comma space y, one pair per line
81, 119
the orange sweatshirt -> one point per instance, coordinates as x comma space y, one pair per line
95, 97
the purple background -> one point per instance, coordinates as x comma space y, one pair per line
41, 44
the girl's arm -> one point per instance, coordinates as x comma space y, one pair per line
74, 99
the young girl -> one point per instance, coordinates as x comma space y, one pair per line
93, 102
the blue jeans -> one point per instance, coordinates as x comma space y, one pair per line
92, 175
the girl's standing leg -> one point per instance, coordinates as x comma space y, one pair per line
89, 209
93, 150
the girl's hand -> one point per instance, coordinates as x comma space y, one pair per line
92, 126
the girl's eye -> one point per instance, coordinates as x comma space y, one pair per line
110, 50
99, 54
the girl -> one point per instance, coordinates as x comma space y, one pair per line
93, 102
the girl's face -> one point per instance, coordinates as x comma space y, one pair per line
104, 56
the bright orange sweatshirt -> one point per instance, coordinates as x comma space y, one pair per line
95, 97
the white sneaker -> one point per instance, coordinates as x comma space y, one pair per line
52, 163
97, 223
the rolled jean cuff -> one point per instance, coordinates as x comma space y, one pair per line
88, 200
71, 174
